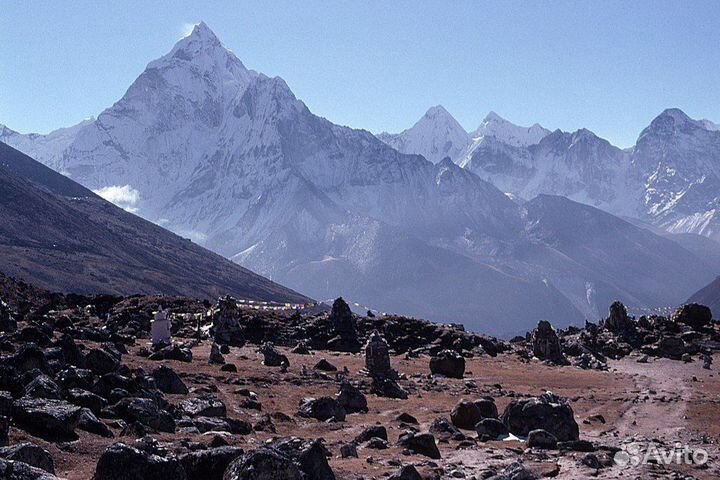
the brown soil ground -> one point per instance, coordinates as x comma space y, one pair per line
658, 400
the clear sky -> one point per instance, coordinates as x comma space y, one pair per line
610, 66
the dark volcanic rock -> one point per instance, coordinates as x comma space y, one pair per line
90, 423
28, 358
10, 470
42, 386
31, 454
203, 407
466, 415
168, 381
272, 356
694, 315
83, 398
345, 328
541, 439
52, 419
547, 412
323, 408
101, 362
325, 366
407, 472
373, 431
420, 443
123, 462
546, 344
351, 398
209, 464
145, 411
263, 464
618, 320
443, 428
448, 363
173, 352
672, 347
490, 429
215, 357
310, 456
388, 387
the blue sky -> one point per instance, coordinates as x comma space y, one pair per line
610, 66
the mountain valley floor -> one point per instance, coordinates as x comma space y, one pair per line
79, 382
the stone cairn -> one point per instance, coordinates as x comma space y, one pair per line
160, 329
618, 320
377, 366
546, 344
343, 325
377, 357
226, 327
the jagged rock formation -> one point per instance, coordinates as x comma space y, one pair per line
546, 344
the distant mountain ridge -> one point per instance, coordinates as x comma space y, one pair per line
231, 158
670, 178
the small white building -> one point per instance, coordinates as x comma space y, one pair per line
160, 328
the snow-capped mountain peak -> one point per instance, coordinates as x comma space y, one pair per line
507, 132
435, 136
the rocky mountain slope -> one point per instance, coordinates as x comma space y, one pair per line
233, 160
59, 235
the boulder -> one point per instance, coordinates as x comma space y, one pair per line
490, 429
123, 462
323, 408
546, 344
377, 431
10, 470
262, 464
487, 407
42, 386
90, 423
420, 443
173, 352
448, 363
695, 315
203, 407
145, 411
407, 472
547, 412
541, 439
349, 450
618, 320
50, 419
29, 357
465, 415
30, 454
351, 398
215, 357
388, 387
325, 366
310, 456
101, 362
272, 356
209, 464
168, 381
671, 347
443, 428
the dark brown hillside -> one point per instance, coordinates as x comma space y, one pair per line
59, 235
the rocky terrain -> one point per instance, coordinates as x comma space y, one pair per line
247, 394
